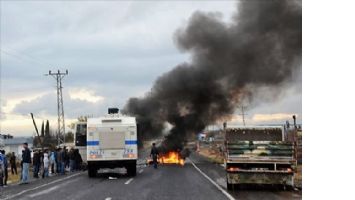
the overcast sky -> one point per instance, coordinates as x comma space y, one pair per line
113, 50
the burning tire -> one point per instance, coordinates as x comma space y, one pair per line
171, 157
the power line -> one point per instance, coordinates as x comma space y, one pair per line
23, 58
243, 114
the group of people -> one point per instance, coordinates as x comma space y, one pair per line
40, 161
4, 164
56, 161
44, 162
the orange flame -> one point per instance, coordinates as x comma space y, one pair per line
171, 157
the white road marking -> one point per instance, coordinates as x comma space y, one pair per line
46, 184
46, 191
230, 197
108, 198
43, 192
140, 171
127, 182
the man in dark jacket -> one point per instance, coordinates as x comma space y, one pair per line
78, 159
57, 164
36, 164
21, 165
154, 155
26, 160
72, 160
13, 164
66, 158
61, 161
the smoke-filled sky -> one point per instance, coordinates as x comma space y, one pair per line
113, 51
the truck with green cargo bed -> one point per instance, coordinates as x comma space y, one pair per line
258, 155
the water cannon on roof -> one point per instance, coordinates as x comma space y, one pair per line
113, 110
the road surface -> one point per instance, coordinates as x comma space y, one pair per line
201, 180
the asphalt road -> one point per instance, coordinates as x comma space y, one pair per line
166, 182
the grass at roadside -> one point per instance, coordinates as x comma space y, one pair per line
211, 156
13, 178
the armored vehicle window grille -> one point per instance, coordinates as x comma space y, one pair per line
111, 120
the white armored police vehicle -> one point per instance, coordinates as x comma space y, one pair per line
111, 143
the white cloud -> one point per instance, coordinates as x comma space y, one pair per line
260, 118
84, 94
10, 103
281, 117
22, 124
18, 125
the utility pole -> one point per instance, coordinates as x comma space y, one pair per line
58, 76
39, 138
243, 114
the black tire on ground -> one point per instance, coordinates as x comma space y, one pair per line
92, 172
132, 169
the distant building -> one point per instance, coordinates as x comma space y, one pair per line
2, 144
15, 144
6, 136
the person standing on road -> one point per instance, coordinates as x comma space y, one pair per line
45, 164
57, 152
66, 158
36, 164
78, 159
52, 161
61, 160
41, 157
2, 169
5, 167
154, 155
71, 160
13, 163
26, 160
21, 165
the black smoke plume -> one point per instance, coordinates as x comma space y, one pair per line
261, 47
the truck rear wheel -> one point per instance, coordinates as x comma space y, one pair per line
132, 169
92, 172
229, 186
